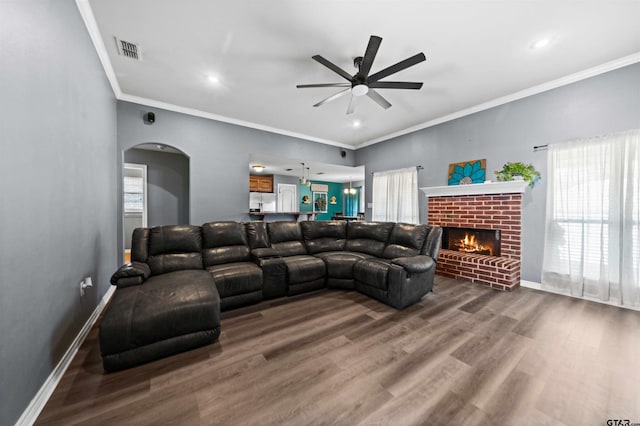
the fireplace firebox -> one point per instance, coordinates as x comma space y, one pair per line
471, 240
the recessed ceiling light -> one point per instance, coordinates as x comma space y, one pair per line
539, 44
356, 123
214, 79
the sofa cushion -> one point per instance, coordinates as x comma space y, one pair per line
224, 242
322, 236
286, 238
405, 240
165, 306
257, 235
304, 268
340, 263
174, 248
368, 237
236, 278
373, 272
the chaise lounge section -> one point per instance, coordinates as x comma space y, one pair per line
169, 298
165, 302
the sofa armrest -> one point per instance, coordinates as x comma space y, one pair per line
414, 264
263, 253
133, 273
274, 276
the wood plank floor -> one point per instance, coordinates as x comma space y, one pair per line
464, 355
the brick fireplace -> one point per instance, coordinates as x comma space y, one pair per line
487, 207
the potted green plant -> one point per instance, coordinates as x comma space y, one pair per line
518, 171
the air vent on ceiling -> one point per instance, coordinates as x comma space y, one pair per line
128, 49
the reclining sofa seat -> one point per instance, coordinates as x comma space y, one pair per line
226, 256
394, 263
154, 313
328, 241
399, 274
303, 271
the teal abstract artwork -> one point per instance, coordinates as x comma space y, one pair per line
468, 172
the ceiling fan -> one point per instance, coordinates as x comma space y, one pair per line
361, 83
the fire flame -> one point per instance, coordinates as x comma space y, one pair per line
469, 244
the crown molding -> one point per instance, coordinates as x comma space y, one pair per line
553, 84
92, 27
224, 119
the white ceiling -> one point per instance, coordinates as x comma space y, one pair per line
478, 55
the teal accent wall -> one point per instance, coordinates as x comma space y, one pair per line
352, 203
335, 190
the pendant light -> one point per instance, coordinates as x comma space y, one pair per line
303, 180
350, 190
308, 177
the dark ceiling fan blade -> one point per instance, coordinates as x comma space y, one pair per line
369, 56
395, 85
333, 67
378, 98
332, 97
352, 105
306, 86
416, 59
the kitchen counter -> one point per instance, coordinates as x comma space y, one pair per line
296, 216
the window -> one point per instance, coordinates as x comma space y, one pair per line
133, 193
592, 246
395, 196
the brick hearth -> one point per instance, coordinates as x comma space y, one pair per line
501, 211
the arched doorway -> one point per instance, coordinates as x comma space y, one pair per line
155, 189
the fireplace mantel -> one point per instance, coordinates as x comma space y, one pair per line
476, 189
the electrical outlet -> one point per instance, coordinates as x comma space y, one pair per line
84, 284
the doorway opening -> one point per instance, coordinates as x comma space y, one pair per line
135, 201
155, 189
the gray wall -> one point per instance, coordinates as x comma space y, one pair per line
167, 185
58, 190
603, 104
219, 153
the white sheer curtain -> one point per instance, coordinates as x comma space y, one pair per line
592, 235
395, 195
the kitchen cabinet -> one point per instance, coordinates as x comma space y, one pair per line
261, 183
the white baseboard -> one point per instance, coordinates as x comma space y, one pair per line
530, 284
538, 286
33, 410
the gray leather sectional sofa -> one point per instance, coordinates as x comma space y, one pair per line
170, 296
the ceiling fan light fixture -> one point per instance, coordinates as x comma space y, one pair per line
358, 85
360, 90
